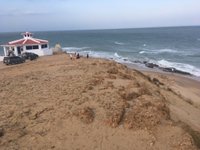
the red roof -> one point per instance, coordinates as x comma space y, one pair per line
31, 41
27, 40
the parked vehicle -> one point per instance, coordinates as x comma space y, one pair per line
13, 60
30, 56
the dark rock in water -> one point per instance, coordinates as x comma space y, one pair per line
167, 69
125, 59
151, 65
174, 70
138, 62
144, 62
182, 72
1, 132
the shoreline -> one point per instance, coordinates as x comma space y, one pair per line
154, 70
185, 85
146, 67
159, 71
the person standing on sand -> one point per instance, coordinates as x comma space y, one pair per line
87, 55
77, 56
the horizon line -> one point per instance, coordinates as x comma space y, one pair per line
99, 29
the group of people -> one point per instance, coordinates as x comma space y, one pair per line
77, 56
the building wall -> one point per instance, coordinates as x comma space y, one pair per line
41, 51
5, 51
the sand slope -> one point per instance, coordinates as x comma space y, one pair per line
58, 103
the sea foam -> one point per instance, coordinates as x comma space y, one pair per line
180, 66
122, 59
119, 43
159, 51
74, 49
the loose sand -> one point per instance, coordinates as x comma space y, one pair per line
58, 103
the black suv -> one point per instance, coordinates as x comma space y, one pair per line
13, 60
30, 56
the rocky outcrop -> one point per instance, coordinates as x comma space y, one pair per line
174, 70
57, 49
165, 69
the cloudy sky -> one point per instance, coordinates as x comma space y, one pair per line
39, 15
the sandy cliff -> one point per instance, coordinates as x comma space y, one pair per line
58, 103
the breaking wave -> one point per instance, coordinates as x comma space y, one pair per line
180, 66
119, 43
74, 49
98, 54
159, 51
142, 52
122, 59
116, 55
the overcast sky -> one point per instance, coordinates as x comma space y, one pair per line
39, 15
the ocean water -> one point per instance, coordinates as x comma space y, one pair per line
177, 47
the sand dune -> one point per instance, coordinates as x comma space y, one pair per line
58, 103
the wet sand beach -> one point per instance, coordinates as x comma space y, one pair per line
59, 103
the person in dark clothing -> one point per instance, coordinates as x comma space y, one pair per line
77, 56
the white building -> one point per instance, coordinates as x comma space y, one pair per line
27, 44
